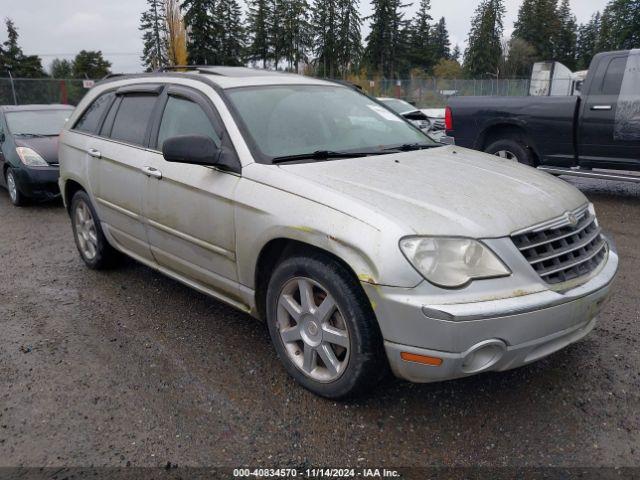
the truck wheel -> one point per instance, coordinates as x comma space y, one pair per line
511, 149
323, 327
94, 249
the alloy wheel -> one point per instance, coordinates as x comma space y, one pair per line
313, 330
506, 154
11, 186
86, 231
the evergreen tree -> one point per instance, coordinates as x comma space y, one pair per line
420, 53
202, 43
538, 24
441, 43
90, 64
231, 40
484, 49
13, 59
456, 54
277, 34
620, 26
61, 68
153, 24
385, 41
325, 33
258, 28
567, 36
349, 44
588, 39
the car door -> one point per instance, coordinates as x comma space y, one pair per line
120, 153
189, 208
602, 140
2, 145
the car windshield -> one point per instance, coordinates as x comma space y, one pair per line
399, 106
37, 122
287, 120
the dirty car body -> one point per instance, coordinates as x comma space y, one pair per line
458, 262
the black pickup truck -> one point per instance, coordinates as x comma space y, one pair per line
599, 128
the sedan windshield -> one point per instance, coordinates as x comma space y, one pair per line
37, 122
399, 106
294, 120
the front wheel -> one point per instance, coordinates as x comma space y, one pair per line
511, 149
323, 327
17, 198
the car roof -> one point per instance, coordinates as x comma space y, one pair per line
228, 77
35, 107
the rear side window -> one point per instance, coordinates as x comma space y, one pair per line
90, 120
614, 75
132, 119
184, 117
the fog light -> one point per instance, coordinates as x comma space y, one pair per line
483, 356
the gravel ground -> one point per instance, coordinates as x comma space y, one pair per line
129, 367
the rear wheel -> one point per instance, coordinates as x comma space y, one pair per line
17, 198
511, 149
323, 328
94, 249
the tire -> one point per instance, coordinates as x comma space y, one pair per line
511, 149
361, 357
92, 245
17, 198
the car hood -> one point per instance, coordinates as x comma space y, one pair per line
443, 191
46, 147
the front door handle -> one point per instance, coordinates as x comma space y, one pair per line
601, 107
152, 172
94, 153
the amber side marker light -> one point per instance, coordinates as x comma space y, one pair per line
425, 360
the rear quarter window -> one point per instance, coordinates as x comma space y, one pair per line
613, 77
90, 119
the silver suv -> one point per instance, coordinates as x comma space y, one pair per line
360, 241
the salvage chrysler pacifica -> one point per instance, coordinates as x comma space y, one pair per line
360, 241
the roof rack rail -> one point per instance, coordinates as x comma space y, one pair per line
172, 68
111, 75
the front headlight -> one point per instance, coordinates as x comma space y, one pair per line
452, 262
30, 157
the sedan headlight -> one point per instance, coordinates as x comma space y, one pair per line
30, 157
452, 262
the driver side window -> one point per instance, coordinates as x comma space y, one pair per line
184, 117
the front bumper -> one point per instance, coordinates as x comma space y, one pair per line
38, 183
496, 335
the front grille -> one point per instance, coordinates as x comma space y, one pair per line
563, 251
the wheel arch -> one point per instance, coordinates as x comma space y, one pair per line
506, 130
71, 186
278, 249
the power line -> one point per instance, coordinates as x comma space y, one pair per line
109, 54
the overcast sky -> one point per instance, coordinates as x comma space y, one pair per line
60, 28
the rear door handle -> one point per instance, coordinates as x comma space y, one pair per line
601, 107
94, 153
152, 172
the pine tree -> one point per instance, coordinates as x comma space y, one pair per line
258, 28
456, 54
153, 24
231, 37
202, 43
14, 60
588, 39
538, 25
567, 36
441, 43
620, 26
484, 49
349, 44
388, 33
420, 52
277, 33
324, 25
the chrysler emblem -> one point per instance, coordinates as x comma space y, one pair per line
572, 219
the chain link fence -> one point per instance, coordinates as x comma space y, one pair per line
423, 92
40, 90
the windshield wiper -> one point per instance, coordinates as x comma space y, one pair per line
323, 155
29, 135
408, 147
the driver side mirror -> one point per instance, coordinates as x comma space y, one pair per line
192, 149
